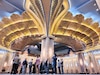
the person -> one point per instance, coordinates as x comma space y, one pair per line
34, 68
41, 67
54, 63
46, 66
16, 62
62, 71
20, 70
59, 65
24, 66
86, 71
30, 66
38, 64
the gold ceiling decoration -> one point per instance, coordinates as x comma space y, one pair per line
58, 11
78, 27
47, 12
52, 20
17, 26
21, 43
35, 10
75, 44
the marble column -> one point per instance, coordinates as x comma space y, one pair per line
93, 64
47, 49
81, 62
2, 61
10, 61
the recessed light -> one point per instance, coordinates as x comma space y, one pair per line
97, 9
94, 4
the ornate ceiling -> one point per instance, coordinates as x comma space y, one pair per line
48, 18
80, 28
17, 26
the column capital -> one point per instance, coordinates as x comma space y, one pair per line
50, 37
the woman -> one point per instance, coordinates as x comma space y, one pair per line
38, 64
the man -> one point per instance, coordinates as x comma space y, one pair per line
54, 63
24, 66
62, 71
46, 66
16, 62
59, 65
30, 66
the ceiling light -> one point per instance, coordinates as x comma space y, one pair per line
35, 46
94, 4
97, 9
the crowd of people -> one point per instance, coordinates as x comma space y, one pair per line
38, 66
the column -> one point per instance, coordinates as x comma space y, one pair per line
93, 64
47, 49
10, 61
81, 62
4, 56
